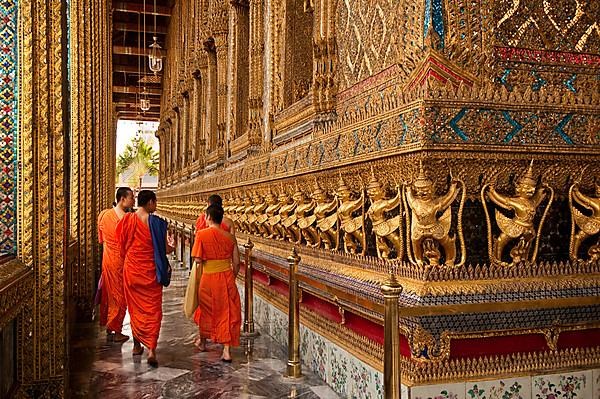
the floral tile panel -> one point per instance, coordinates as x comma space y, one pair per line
442, 391
563, 386
511, 388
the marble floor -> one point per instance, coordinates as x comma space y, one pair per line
101, 369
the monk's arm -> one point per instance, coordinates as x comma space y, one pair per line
235, 262
170, 244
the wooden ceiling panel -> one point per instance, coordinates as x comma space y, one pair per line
130, 50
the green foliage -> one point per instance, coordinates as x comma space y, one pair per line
141, 158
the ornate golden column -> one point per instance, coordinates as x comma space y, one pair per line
185, 129
294, 366
256, 78
391, 290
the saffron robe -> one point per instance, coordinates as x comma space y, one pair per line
201, 223
220, 311
143, 293
112, 298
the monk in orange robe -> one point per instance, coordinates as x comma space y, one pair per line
218, 259
227, 225
143, 292
112, 303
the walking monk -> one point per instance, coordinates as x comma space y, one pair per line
226, 224
144, 245
112, 304
218, 259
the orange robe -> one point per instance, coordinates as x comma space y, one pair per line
201, 225
220, 312
112, 305
142, 292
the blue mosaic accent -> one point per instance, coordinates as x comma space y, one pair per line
539, 82
517, 127
404, 130
504, 79
561, 125
569, 83
8, 124
454, 124
434, 15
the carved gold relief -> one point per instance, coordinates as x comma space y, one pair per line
585, 223
520, 227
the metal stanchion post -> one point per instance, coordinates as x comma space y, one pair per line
248, 330
294, 368
391, 359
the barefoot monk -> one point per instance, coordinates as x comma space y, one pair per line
112, 302
144, 245
218, 259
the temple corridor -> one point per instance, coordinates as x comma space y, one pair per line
101, 369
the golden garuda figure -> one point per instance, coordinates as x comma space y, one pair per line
326, 218
263, 220
520, 227
305, 219
257, 211
285, 219
244, 211
231, 210
429, 219
588, 225
352, 225
387, 230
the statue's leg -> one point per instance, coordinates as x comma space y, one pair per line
501, 242
417, 246
577, 240
449, 246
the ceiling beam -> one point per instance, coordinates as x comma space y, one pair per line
131, 102
130, 50
133, 27
132, 69
136, 90
135, 8
135, 117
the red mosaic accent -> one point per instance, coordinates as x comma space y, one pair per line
546, 57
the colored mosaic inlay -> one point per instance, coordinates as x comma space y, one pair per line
8, 123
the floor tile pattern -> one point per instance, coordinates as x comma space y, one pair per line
108, 371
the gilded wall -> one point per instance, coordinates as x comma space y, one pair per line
454, 144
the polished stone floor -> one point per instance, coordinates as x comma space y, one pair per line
100, 369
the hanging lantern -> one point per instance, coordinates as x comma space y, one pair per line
155, 58
144, 101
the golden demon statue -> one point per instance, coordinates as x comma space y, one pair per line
520, 227
284, 227
430, 221
305, 220
244, 211
351, 226
257, 211
588, 225
271, 208
326, 218
386, 229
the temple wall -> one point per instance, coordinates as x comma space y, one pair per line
486, 111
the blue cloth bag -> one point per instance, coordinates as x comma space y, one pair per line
158, 231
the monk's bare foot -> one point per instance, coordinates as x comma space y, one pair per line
226, 357
152, 362
138, 349
120, 337
200, 343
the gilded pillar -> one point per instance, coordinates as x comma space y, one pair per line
221, 52
195, 118
43, 195
185, 130
256, 71
237, 74
176, 143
